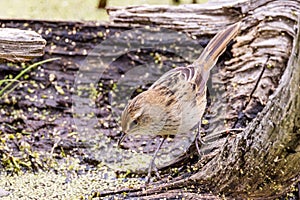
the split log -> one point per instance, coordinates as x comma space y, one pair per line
264, 160
261, 162
20, 45
241, 86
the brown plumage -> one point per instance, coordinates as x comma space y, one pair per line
176, 102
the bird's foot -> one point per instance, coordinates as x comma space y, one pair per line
152, 164
149, 175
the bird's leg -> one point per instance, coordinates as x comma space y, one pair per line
199, 139
152, 164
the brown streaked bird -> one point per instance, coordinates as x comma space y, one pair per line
176, 102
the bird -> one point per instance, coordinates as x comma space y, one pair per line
175, 103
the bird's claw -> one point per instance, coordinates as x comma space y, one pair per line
148, 177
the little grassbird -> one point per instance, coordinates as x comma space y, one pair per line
175, 103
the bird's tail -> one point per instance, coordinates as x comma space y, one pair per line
216, 47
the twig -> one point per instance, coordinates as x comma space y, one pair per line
231, 129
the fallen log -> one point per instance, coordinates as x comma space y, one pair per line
260, 162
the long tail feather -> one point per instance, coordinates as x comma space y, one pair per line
216, 47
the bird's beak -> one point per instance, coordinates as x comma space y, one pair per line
122, 137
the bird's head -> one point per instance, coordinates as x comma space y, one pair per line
143, 115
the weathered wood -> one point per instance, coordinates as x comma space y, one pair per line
237, 162
20, 45
263, 161
241, 87
187, 18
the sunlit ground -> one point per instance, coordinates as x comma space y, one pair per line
67, 9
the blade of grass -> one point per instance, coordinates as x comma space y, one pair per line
13, 88
24, 71
7, 80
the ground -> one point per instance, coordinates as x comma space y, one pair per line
67, 179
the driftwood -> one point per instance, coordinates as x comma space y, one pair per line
20, 45
261, 162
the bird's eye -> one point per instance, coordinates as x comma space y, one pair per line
135, 122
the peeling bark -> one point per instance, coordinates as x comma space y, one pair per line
264, 160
